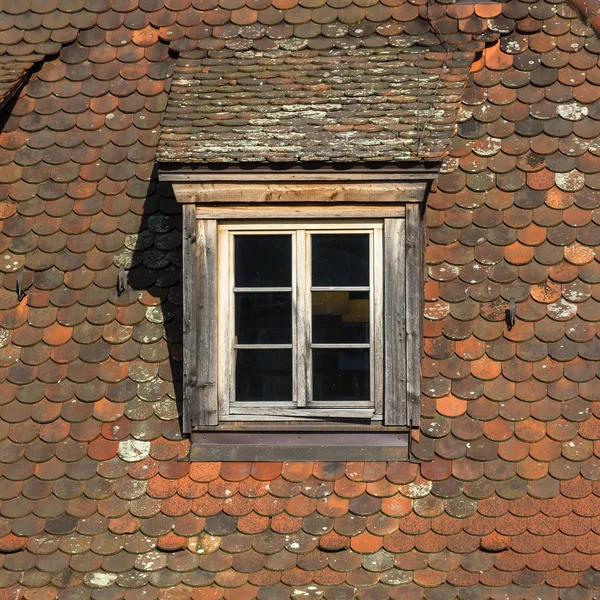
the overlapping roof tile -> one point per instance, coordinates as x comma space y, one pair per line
96, 502
365, 104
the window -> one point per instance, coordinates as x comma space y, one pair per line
302, 313
300, 321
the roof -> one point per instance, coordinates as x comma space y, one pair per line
347, 105
12, 76
96, 502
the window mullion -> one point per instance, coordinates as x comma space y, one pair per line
302, 321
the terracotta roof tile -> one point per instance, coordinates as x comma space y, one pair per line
212, 121
91, 447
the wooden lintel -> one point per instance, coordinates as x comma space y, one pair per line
299, 211
300, 193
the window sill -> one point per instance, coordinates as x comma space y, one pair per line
297, 444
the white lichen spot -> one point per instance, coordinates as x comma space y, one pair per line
449, 165
498, 26
434, 311
154, 314
398, 577
4, 337
487, 147
571, 181
110, 116
573, 111
575, 296
417, 490
124, 258
311, 591
133, 450
99, 579
512, 47
151, 561
13, 263
561, 310
464, 114
139, 241
166, 410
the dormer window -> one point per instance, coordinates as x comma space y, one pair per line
302, 312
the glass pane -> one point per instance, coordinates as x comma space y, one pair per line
340, 259
263, 376
340, 317
341, 374
263, 317
263, 260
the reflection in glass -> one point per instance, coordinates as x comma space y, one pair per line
340, 259
263, 260
263, 317
340, 317
263, 375
341, 374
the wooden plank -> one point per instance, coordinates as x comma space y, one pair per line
305, 437
262, 289
199, 320
340, 288
273, 453
262, 346
375, 426
225, 338
394, 321
294, 193
343, 346
323, 414
378, 334
190, 351
414, 312
302, 322
394, 176
267, 227
335, 211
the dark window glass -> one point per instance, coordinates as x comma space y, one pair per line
263, 375
263, 317
263, 260
340, 259
340, 317
341, 374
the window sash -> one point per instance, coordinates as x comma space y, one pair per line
302, 405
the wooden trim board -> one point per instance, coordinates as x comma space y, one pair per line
300, 193
341, 176
336, 211
199, 321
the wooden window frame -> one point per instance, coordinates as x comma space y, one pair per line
304, 407
233, 197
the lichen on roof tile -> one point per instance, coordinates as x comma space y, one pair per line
96, 499
366, 104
